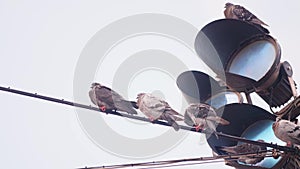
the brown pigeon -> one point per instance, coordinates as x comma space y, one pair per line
238, 12
203, 116
155, 108
107, 99
247, 148
286, 131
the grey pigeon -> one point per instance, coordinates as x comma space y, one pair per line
107, 99
286, 131
202, 116
246, 148
155, 108
238, 12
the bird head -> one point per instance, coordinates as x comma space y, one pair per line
228, 5
94, 85
139, 97
274, 125
199, 110
192, 108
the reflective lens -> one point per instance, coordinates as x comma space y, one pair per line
263, 130
255, 60
223, 98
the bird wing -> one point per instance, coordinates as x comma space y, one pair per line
245, 15
230, 150
174, 114
93, 96
170, 110
113, 100
293, 129
251, 148
189, 118
246, 148
104, 97
293, 132
151, 106
242, 13
242, 148
121, 104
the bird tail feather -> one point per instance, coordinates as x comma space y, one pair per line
125, 106
218, 120
189, 118
211, 125
175, 126
228, 150
130, 111
175, 115
259, 22
171, 120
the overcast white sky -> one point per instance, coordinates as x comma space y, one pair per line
40, 46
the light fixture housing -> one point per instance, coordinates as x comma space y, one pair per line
198, 87
246, 58
246, 121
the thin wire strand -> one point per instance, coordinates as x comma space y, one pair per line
181, 165
167, 162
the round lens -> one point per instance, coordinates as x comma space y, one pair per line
224, 98
254, 60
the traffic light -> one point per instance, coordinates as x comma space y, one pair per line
246, 121
198, 87
247, 59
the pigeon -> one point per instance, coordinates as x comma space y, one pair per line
247, 148
107, 99
155, 108
203, 116
286, 131
238, 12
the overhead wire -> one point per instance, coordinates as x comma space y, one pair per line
227, 136
292, 150
181, 165
188, 161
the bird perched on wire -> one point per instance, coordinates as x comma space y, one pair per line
155, 108
246, 148
107, 99
286, 131
203, 116
238, 12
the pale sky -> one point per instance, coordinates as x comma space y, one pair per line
42, 43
